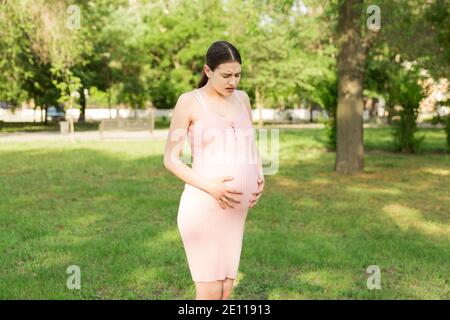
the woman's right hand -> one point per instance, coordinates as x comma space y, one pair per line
223, 194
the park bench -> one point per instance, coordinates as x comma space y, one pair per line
138, 124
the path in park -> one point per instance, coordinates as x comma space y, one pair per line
158, 134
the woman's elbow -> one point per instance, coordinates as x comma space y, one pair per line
171, 161
167, 163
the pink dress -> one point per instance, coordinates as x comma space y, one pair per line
212, 236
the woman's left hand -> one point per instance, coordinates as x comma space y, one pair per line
256, 195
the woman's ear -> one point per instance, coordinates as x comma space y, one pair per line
207, 70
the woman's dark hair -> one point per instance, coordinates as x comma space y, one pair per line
219, 52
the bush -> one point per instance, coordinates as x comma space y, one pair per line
330, 101
406, 93
331, 130
405, 127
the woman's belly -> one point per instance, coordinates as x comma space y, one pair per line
244, 180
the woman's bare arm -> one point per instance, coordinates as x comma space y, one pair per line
179, 124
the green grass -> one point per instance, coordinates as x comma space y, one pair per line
110, 208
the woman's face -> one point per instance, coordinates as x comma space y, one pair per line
226, 75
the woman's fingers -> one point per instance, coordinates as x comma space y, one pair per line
234, 191
254, 200
227, 202
253, 203
222, 205
260, 188
232, 199
256, 194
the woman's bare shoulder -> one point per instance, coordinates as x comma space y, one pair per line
187, 104
186, 97
244, 96
246, 100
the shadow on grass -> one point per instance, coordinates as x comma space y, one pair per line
323, 230
380, 139
85, 208
311, 236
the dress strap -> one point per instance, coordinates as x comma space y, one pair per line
240, 101
200, 98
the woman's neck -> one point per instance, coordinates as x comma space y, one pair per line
214, 94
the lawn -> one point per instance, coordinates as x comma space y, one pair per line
110, 208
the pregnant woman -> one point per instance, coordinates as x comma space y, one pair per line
226, 177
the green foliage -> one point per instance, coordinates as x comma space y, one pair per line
13, 59
163, 94
331, 128
68, 84
97, 97
326, 95
287, 54
406, 94
150, 50
418, 30
404, 131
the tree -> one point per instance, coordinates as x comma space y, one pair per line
12, 58
412, 29
285, 49
350, 68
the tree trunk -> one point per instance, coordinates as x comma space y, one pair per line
350, 63
310, 109
34, 107
83, 106
45, 113
390, 110
109, 102
117, 111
